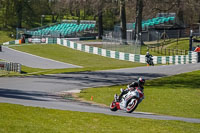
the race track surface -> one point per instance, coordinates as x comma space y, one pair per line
30, 60
41, 91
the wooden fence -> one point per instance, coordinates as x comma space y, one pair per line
168, 51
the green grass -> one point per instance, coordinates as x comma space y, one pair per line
89, 62
183, 44
22, 119
176, 95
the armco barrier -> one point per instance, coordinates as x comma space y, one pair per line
192, 57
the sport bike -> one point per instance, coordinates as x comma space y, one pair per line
149, 61
128, 102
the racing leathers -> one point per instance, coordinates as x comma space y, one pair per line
130, 87
148, 58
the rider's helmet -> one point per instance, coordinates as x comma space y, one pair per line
141, 82
147, 53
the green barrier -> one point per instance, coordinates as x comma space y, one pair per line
116, 54
88, 38
108, 53
137, 58
26, 40
159, 60
126, 56
50, 40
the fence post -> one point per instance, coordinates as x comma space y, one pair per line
19, 68
165, 51
169, 52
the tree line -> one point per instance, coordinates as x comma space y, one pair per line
28, 13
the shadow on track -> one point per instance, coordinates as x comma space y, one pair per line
101, 77
25, 95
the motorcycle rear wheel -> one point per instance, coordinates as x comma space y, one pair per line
113, 106
131, 105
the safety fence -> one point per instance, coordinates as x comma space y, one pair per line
168, 51
9, 66
120, 45
191, 57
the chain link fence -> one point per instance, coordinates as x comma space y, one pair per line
126, 46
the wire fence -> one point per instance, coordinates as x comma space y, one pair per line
168, 51
6, 67
120, 45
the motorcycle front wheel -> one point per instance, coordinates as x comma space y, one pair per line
131, 105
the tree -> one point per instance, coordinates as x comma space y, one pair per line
19, 6
138, 26
123, 19
100, 19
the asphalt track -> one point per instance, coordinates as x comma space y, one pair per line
41, 91
30, 60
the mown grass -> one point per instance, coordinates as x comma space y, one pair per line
21, 119
175, 95
182, 44
89, 62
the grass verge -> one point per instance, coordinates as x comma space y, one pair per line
21, 119
89, 62
175, 95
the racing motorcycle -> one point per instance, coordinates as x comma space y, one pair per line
129, 101
149, 61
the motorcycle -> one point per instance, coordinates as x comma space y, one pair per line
149, 61
129, 101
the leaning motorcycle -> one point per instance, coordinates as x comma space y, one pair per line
129, 101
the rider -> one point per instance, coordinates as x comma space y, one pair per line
148, 57
139, 84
